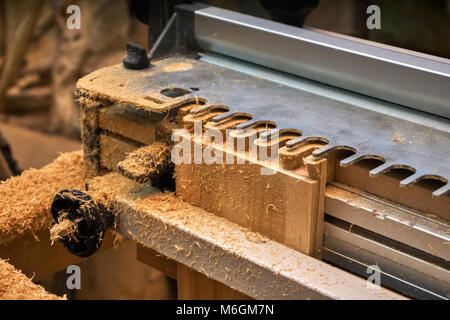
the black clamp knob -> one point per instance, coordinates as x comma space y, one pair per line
136, 57
89, 221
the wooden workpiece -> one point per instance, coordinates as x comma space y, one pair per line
120, 120
193, 285
285, 205
111, 132
156, 260
113, 150
90, 134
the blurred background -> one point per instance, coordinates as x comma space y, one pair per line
41, 60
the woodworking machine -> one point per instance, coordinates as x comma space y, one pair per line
362, 136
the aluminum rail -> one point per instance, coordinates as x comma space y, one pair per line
414, 81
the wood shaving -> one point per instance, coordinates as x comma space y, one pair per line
26, 199
146, 163
14, 285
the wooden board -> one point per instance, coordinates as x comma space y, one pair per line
119, 119
90, 134
193, 285
39, 259
113, 150
317, 169
156, 260
283, 206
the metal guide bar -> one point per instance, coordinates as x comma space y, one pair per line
388, 74
407, 274
411, 249
387, 279
414, 230
324, 90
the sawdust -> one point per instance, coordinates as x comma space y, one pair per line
115, 78
118, 85
172, 208
64, 228
177, 66
398, 138
146, 163
26, 199
105, 189
14, 285
118, 193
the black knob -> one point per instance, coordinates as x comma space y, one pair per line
136, 57
79, 222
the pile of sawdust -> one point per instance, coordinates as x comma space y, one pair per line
105, 189
146, 163
173, 209
120, 194
63, 229
14, 285
25, 200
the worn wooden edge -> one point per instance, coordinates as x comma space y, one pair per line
193, 285
113, 150
118, 85
156, 260
119, 119
14, 285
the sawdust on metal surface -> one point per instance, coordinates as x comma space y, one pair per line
398, 138
178, 66
111, 84
26, 199
14, 285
